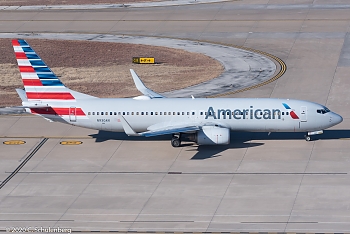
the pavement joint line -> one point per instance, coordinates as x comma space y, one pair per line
183, 173
174, 20
166, 3
36, 149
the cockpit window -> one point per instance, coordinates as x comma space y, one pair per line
323, 111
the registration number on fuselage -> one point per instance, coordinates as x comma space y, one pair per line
103, 120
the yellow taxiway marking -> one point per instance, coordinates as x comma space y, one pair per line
14, 142
71, 142
283, 69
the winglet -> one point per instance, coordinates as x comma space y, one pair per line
142, 87
127, 128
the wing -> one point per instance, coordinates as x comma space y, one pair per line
142, 87
170, 130
156, 131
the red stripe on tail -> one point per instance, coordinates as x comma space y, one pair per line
26, 69
21, 55
15, 43
58, 96
32, 82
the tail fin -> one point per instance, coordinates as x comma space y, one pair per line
40, 83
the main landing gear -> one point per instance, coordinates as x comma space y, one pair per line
308, 138
176, 140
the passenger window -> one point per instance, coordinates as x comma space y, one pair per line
155, 113
151, 113
183, 113
123, 113
89, 113
93, 113
106, 113
141, 113
101, 113
115, 113
97, 113
164, 113
287, 113
201, 112
174, 113
188, 113
146, 113
282, 113
169, 113
111, 113
127, 113
160, 113
178, 113
137, 113
193, 113
132, 113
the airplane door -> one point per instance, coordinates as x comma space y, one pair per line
72, 114
303, 114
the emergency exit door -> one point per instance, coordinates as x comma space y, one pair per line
72, 114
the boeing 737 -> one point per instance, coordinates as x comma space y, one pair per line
205, 121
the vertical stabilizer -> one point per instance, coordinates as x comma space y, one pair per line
40, 83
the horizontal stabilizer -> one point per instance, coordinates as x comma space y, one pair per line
22, 95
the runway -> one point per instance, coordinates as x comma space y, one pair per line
260, 182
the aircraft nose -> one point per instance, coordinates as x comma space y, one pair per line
336, 119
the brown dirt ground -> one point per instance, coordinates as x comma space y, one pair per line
66, 2
102, 69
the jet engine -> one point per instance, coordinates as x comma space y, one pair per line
212, 135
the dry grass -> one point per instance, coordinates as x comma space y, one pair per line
102, 69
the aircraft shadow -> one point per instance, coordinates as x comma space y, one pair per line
102, 136
213, 151
238, 140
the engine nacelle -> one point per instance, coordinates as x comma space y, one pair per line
212, 135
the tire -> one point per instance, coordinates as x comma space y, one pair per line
175, 142
308, 138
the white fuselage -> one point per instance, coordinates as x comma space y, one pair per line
237, 114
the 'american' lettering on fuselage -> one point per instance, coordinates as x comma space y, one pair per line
243, 114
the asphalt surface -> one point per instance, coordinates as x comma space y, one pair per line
260, 182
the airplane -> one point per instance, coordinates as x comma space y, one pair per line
206, 121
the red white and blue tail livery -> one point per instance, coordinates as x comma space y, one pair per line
205, 121
39, 81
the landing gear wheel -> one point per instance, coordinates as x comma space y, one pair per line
308, 138
175, 142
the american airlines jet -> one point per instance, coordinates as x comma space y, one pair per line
204, 121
